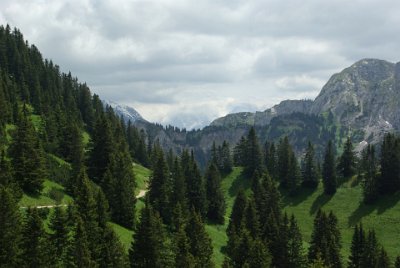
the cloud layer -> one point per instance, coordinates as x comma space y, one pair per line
187, 62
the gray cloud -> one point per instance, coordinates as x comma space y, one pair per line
187, 62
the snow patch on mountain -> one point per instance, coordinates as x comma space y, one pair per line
127, 112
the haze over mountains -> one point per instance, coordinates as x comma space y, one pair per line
362, 101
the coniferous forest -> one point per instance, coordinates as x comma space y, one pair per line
71, 174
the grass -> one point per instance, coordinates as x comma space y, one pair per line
348, 207
125, 235
85, 138
44, 199
231, 184
142, 175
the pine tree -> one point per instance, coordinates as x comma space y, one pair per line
10, 229
149, 247
196, 190
239, 152
226, 158
370, 181
34, 250
78, 252
329, 170
252, 221
160, 188
253, 155
6, 177
294, 174
59, 235
215, 196
200, 242
183, 257
390, 168
259, 255
310, 171
283, 161
27, 156
357, 247
271, 159
347, 161
296, 257
236, 220
371, 251
179, 187
383, 259
325, 240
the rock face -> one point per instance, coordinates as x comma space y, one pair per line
364, 97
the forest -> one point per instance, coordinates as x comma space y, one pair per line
58, 141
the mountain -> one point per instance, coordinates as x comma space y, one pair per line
128, 113
362, 101
364, 97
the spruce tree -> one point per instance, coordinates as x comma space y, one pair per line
253, 156
200, 242
34, 248
329, 170
357, 247
370, 181
149, 247
183, 257
347, 161
78, 254
160, 188
10, 229
196, 190
325, 240
59, 235
215, 196
27, 156
270, 159
6, 177
112, 252
390, 167
310, 172
383, 259
371, 251
296, 256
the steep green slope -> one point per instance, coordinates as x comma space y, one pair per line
384, 216
46, 198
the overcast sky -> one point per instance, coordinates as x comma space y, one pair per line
188, 62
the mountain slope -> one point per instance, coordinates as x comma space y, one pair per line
126, 112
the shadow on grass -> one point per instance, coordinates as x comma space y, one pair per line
242, 182
319, 202
381, 205
294, 199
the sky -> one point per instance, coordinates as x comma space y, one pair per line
186, 63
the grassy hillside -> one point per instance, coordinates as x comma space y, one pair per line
46, 198
384, 216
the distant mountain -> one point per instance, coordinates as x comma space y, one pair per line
362, 101
127, 112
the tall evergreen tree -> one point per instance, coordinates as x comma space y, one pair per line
6, 176
196, 188
183, 257
296, 256
200, 242
59, 235
253, 156
310, 172
160, 188
329, 170
78, 252
10, 229
325, 240
357, 247
271, 159
34, 250
215, 196
370, 181
390, 167
347, 161
149, 247
27, 156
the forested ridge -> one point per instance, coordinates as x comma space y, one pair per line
54, 131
